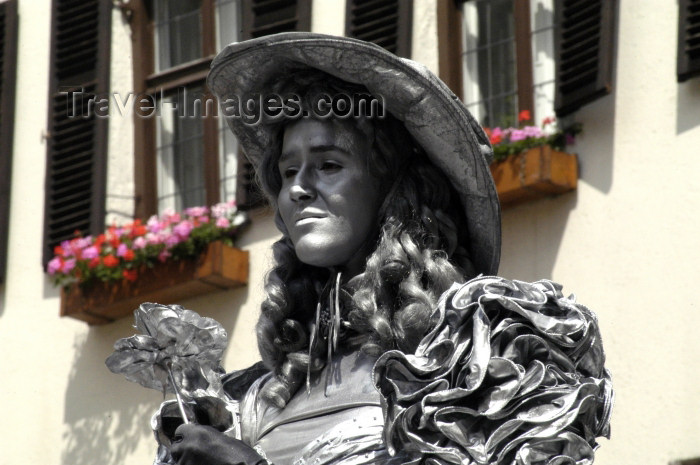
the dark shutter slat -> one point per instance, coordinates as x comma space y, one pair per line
688, 65
8, 60
77, 144
386, 23
584, 42
261, 18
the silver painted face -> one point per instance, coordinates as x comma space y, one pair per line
329, 201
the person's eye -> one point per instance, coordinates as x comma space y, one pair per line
289, 172
330, 166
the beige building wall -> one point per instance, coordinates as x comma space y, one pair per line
626, 243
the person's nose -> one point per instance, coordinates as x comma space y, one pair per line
302, 188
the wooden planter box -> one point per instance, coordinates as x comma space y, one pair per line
219, 267
537, 173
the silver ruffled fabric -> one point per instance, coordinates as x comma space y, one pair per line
512, 373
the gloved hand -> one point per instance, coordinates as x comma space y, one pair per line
197, 445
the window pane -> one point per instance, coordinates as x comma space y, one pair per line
228, 22
177, 32
490, 79
542, 20
180, 153
228, 162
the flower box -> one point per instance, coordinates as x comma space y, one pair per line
533, 174
219, 267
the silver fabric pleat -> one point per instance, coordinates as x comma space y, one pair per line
513, 373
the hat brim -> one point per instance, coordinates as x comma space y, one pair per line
434, 116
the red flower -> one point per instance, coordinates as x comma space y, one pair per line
110, 261
130, 275
128, 255
94, 262
524, 115
58, 250
100, 240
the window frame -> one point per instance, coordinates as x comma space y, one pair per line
566, 100
451, 54
256, 19
150, 83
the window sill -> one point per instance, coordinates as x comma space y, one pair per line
534, 174
219, 267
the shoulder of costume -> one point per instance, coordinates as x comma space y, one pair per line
510, 371
237, 383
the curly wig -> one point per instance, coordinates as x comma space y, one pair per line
416, 258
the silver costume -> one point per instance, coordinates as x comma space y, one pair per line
338, 420
512, 373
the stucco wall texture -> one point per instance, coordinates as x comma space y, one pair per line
626, 243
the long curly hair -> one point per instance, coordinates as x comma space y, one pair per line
418, 253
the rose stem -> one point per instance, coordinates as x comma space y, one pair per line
177, 395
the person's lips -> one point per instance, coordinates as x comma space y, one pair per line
308, 216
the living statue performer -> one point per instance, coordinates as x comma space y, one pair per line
384, 334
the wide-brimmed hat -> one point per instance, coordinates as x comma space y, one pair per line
431, 113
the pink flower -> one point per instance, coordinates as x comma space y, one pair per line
54, 265
203, 219
68, 265
90, 253
163, 256
67, 249
154, 225
121, 250
532, 131
153, 239
223, 222
171, 216
219, 210
183, 229
139, 243
172, 240
81, 243
517, 134
197, 211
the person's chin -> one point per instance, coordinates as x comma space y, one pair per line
317, 253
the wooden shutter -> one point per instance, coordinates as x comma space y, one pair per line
688, 39
384, 22
261, 18
8, 60
77, 142
265, 17
584, 44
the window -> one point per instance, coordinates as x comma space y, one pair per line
537, 55
185, 156
497, 59
8, 58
